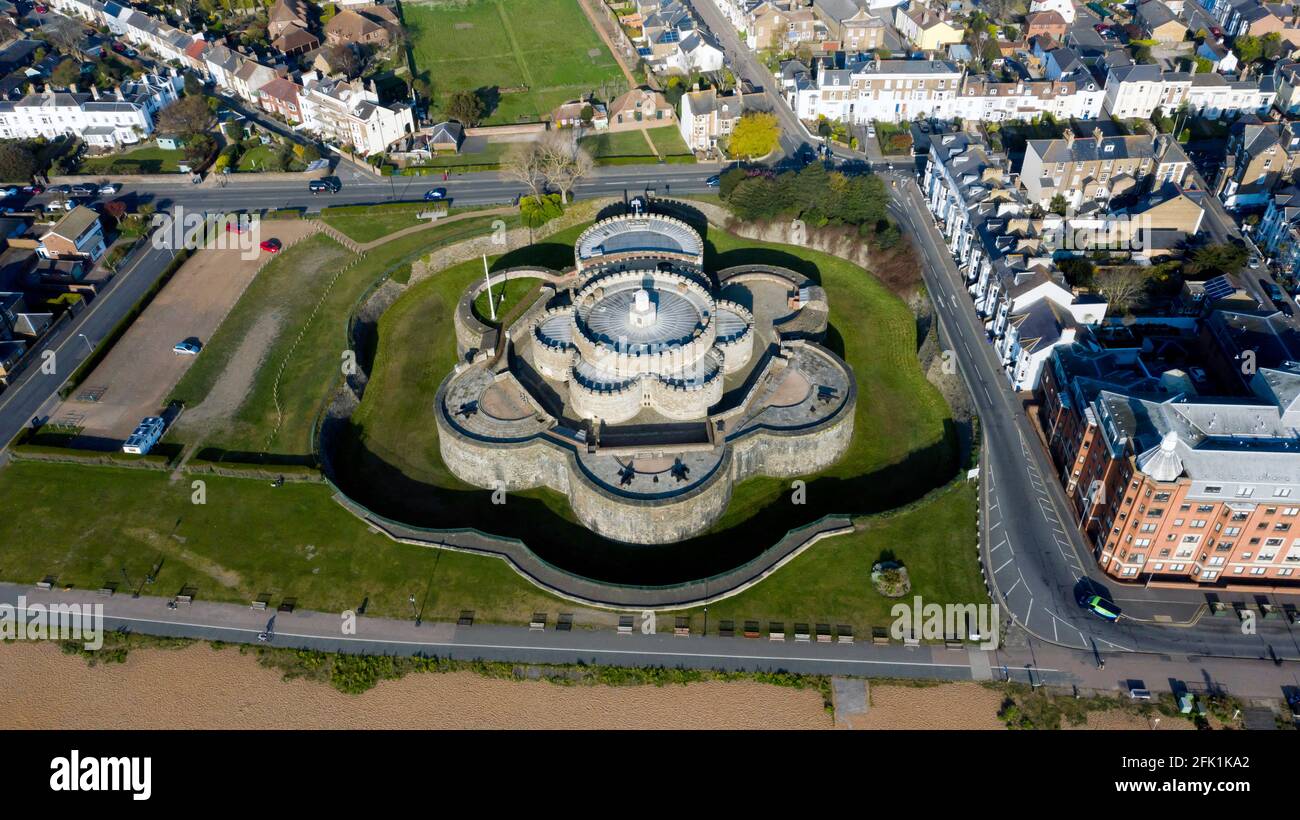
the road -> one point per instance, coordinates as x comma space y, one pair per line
746, 66
1033, 554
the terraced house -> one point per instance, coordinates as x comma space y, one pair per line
873, 89
104, 121
1098, 168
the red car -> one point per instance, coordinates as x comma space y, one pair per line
1217, 32
271, 245
42, 9
119, 48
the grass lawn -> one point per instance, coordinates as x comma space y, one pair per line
370, 222
618, 144
831, 583
291, 541
902, 447
668, 141
285, 292
148, 160
261, 158
894, 138
525, 56
490, 155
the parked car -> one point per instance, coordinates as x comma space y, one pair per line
84, 190
110, 188
34, 190
6, 192
713, 181
132, 53
271, 245
435, 194
42, 9
61, 189
871, 131
120, 48
189, 347
1100, 607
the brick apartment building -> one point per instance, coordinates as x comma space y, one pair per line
1171, 486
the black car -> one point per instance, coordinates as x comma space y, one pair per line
435, 194
328, 185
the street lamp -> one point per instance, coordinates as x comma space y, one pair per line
89, 346
415, 612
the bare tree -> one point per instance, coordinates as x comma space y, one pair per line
1122, 287
65, 34
523, 164
563, 161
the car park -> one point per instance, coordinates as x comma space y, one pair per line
271, 245
435, 194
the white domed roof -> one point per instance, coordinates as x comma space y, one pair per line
1162, 462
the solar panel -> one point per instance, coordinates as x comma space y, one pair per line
1218, 287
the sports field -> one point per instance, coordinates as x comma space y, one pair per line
525, 57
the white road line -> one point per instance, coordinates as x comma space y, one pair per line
1004, 565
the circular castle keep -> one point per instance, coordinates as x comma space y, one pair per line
642, 386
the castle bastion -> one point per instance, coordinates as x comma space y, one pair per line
644, 387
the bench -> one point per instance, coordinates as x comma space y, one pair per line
466, 618
538, 623
844, 633
107, 591
564, 623
751, 629
682, 627
625, 624
727, 629
259, 604
287, 606
776, 631
879, 635
1140, 694
952, 644
46, 583
823, 633
801, 632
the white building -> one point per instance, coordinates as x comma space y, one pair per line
108, 120
889, 90
1065, 8
350, 114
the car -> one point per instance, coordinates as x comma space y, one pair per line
42, 9
119, 48
34, 190
1099, 606
1217, 32
84, 190
1100, 27
713, 181
435, 194
132, 53
327, 184
110, 188
271, 245
235, 227
871, 131
925, 127
189, 347
4, 192
61, 189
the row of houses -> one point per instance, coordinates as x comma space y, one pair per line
338, 111
108, 121
671, 40
863, 88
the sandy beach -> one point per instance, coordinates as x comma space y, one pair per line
201, 688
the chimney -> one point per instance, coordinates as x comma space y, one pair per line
94, 91
1069, 138
1096, 133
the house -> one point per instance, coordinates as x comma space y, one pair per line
364, 26
1065, 8
1260, 157
295, 41
708, 116
1045, 23
350, 114
281, 96
1220, 56
1159, 23
1098, 168
698, 51
286, 14
925, 29
105, 121
873, 89
249, 78
851, 24
78, 235
446, 136
640, 108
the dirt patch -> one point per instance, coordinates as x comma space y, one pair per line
141, 369
201, 688
236, 381
946, 706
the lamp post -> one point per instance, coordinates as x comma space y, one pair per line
414, 612
89, 346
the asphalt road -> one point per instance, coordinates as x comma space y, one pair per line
1033, 554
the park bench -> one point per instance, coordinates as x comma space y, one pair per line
46, 583
466, 618
879, 635
538, 623
625, 624
727, 629
823, 633
682, 627
564, 623
776, 631
802, 632
844, 633
751, 629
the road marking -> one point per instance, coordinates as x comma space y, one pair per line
1004, 563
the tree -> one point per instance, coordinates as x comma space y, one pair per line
1059, 205
198, 147
1214, 259
64, 33
188, 115
1122, 287
563, 162
17, 164
755, 135
465, 107
343, 59
1248, 48
522, 163
65, 74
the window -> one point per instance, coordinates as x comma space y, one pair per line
1213, 490
1282, 492
1245, 492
